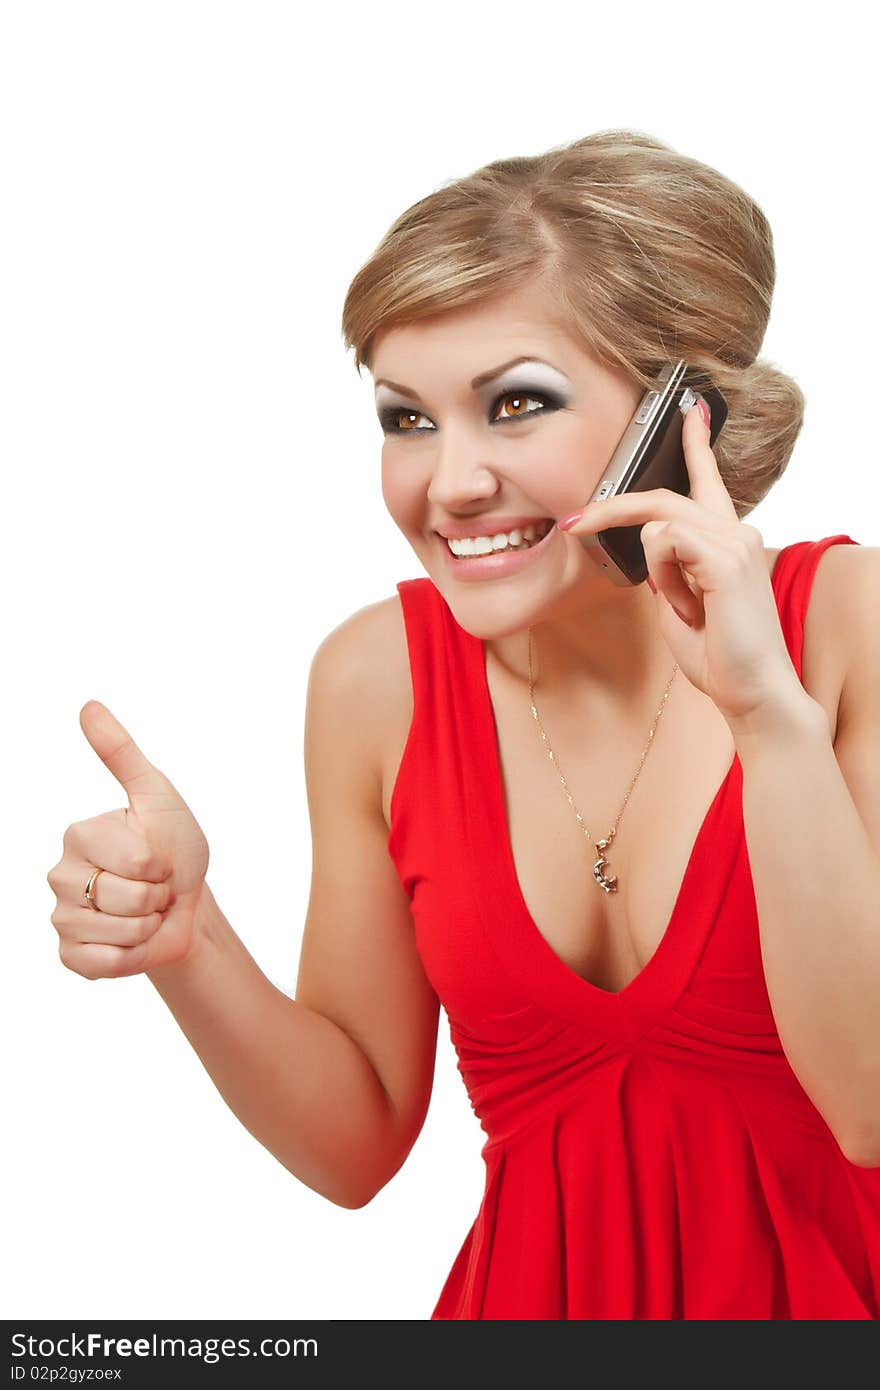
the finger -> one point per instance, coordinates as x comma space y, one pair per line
119, 752
676, 550
81, 925
108, 842
115, 896
98, 962
665, 579
665, 576
633, 508
706, 483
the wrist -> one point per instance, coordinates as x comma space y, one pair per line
204, 929
791, 713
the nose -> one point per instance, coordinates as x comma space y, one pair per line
461, 471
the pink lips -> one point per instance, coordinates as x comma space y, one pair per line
497, 564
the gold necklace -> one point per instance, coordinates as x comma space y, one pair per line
609, 884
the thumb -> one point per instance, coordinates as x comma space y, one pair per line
119, 752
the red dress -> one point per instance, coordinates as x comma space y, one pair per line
649, 1153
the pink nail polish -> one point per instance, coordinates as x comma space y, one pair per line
570, 520
705, 412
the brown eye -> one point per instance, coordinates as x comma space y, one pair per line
393, 416
520, 401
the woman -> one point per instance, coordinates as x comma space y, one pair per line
663, 1013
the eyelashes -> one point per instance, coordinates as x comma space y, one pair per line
548, 401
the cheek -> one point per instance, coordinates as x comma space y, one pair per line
403, 492
572, 465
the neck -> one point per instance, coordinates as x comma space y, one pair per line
611, 648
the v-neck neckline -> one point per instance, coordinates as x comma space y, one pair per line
524, 944
535, 951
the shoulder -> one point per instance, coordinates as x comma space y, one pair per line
359, 644
363, 665
839, 626
853, 586
850, 568
372, 644
844, 585
848, 601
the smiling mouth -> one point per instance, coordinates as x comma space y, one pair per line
520, 538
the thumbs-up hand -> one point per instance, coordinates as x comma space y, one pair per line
153, 856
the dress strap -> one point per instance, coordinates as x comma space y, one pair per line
442, 661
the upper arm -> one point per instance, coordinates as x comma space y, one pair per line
358, 962
857, 746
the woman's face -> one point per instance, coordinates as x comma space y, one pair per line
529, 444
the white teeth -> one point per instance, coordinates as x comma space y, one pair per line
518, 538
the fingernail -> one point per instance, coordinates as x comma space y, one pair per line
705, 412
570, 520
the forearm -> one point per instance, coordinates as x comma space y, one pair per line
296, 1081
817, 889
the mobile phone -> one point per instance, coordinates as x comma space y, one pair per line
650, 455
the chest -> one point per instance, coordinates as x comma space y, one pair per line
608, 937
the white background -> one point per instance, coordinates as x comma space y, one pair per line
192, 501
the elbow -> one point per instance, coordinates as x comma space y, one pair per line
350, 1199
347, 1200
372, 1178
392, 1161
358, 1203
354, 1199
362, 1198
357, 1200
345, 1197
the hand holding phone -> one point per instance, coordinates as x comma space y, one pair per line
650, 455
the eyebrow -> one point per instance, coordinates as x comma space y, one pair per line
477, 382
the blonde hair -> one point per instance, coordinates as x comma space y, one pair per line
648, 255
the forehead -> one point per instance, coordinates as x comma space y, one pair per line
504, 326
